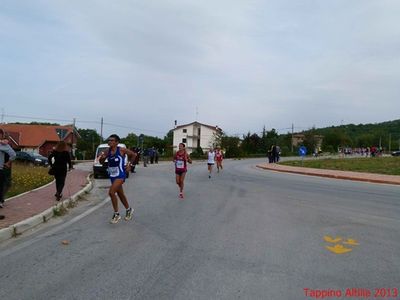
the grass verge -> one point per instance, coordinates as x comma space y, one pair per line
26, 178
378, 165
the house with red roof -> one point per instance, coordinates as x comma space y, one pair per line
39, 138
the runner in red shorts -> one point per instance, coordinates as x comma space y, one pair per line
219, 156
181, 158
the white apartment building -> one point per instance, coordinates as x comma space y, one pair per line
193, 135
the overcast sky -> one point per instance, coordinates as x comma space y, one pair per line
240, 64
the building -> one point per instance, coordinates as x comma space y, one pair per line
39, 138
195, 134
298, 139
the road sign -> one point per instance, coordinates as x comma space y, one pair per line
302, 151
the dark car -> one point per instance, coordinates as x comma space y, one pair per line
32, 158
396, 153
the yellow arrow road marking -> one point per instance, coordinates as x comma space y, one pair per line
338, 249
329, 239
351, 242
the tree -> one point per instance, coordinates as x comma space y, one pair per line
87, 144
231, 146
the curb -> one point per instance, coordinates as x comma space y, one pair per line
335, 176
21, 227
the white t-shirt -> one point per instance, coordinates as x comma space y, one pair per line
211, 157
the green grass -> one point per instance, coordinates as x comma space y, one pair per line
26, 178
379, 165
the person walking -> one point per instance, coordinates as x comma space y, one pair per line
136, 160
145, 157
116, 169
7, 155
59, 159
181, 158
219, 156
210, 161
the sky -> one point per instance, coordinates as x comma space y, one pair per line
240, 65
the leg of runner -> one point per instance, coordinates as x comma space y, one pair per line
124, 200
182, 184
116, 185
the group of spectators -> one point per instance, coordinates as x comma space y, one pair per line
362, 151
150, 155
274, 154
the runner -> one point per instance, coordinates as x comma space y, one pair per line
116, 163
210, 161
219, 157
181, 158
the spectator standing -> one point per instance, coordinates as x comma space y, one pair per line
156, 155
145, 157
7, 155
136, 160
62, 159
152, 154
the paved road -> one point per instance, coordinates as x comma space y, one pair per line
247, 233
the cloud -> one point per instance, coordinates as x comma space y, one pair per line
242, 64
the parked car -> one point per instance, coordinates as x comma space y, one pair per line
33, 158
396, 153
102, 169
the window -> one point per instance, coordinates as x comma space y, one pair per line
184, 130
183, 140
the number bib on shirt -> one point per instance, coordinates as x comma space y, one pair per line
113, 171
180, 164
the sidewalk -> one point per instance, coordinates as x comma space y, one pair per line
22, 207
368, 177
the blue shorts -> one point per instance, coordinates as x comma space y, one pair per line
119, 177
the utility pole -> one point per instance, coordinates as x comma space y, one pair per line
72, 139
101, 131
292, 136
390, 142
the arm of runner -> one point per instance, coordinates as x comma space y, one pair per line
188, 158
131, 156
102, 157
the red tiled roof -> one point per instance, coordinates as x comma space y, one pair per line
34, 135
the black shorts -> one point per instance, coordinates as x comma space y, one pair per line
180, 173
210, 164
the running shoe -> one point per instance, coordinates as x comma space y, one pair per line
1, 204
129, 213
181, 195
209, 176
115, 219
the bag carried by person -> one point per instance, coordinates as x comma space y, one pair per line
51, 171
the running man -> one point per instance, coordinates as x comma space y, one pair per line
116, 170
210, 161
181, 158
219, 156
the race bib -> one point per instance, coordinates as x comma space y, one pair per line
113, 171
180, 164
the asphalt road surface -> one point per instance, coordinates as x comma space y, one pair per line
246, 233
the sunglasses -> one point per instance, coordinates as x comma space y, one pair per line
111, 140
